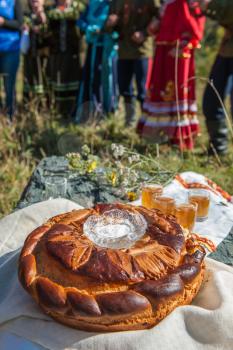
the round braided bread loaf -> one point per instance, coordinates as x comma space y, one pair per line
99, 289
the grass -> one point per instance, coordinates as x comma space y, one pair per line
35, 135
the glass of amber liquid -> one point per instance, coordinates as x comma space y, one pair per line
202, 199
186, 215
165, 204
148, 192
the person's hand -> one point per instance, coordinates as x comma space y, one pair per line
37, 6
153, 27
38, 9
138, 37
25, 27
36, 29
93, 28
42, 17
112, 21
2, 21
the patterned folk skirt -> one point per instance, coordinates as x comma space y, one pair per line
170, 110
35, 75
64, 72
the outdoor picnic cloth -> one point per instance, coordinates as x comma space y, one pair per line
206, 324
220, 220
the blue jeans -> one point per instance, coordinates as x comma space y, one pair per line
127, 70
221, 75
9, 63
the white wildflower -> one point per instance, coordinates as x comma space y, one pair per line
135, 157
133, 176
118, 150
125, 183
130, 160
113, 146
121, 150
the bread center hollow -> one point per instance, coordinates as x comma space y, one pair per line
115, 229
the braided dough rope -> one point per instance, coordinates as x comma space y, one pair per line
135, 305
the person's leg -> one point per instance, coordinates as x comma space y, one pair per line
213, 111
97, 83
10, 66
141, 71
125, 82
115, 88
89, 92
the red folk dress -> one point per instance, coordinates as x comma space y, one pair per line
170, 110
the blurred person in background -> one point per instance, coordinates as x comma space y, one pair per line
221, 74
170, 109
36, 55
64, 42
98, 92
131, 19
11, 20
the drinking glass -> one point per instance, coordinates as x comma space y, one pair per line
186, 215
202, 199
148, 191
165, 204
55, 187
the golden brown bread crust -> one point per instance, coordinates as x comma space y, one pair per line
98, 289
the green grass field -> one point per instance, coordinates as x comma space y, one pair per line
35, 135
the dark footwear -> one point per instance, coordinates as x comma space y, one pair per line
212, 151
218, 133
130, 111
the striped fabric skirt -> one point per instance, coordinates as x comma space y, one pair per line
170, 110
35, 75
